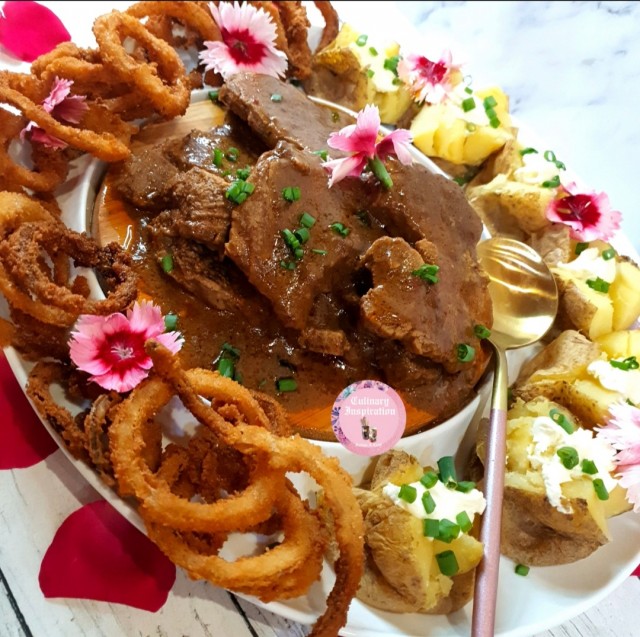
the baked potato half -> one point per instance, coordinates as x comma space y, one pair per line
402, 573
552, 518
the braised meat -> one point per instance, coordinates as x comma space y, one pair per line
293, 117
321, 286
258, 247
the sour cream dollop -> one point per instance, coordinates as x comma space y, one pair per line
548, 437
625, 382
588, 265
448, 502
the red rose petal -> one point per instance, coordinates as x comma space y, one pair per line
25, 441
96, 554
28, 30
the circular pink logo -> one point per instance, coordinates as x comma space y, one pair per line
368, 417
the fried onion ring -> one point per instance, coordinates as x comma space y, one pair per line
162, 81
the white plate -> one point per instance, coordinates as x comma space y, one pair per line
545, 598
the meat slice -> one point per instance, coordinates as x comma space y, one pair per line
256, 242
405, 307
294, 118
203, 213
144, 179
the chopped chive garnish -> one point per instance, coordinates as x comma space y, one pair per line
286, 384
464, 522
380, 171
468, 90
600, 489
335, 116
608, 254
521, 569
408, 493
227, 348
449, 531
429, 479
226, 367
560, 419
626, 364
170, 322
428, 502
323, 154
447, 469
243, 173
362, 40
298, 253
340, 228
320, 252
427, 272
232, 154
527, 151
291, 193
489, 102
370, 73
373, 51
431, 527
465, 353
568, 456
302, 234
494, 122
447, 563
396, 81
391, 64
290, 239
560, 165
549, 155
287, 265
218, 156
167, 263
581, 247
239, 191
481, 331
598, 284
306, 220
551, 183
465, 486
589, 467
276, 97
213, 95
468, 104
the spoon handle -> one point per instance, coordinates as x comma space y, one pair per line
486, 586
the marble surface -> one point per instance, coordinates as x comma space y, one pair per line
571, 70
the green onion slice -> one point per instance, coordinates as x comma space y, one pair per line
464, 522
307, 220
213, 95
608, 254
447, 563
449, 531
465, 486
373, 51
391, 64
447, 469
589, 467
167, 263
551, 183
323, 154
276, 97
218, 156
581, 247
626, 364
170, 322
427, 272
286, 384
320, 252
302, 234
408, 493
568, 456
431, 527
226, 367
291, 193
481, 331
528, 151
600, 489
429, 479
362, 40
521, 569
232, 154
465, 353
598, 284
468, 104
340, 228
560, 419
428, 502
243, 173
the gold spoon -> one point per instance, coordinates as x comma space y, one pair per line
525, 302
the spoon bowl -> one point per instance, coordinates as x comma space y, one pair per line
525, 303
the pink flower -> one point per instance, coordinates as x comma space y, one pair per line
27, 30
361, 140
62, 106
248, 42
588, 214
623, 433
428, 81
111, 348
